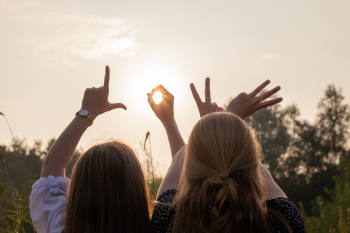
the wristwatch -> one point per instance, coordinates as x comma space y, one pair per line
84, 113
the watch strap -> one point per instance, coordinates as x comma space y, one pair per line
78, 113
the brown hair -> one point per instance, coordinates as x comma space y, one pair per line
221, 182
108, 192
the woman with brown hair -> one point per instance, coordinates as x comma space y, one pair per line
107, 191
217, 184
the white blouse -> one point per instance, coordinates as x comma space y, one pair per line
48, 204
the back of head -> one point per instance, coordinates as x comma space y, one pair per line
108, 192
221, 180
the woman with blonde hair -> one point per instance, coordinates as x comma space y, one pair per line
107, 191
217, 182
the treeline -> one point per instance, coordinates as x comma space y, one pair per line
310, 161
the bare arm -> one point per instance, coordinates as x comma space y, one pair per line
174, 137
172, 177
62, 150
165, 113
272, 190
96, 102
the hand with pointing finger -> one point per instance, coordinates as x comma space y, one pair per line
206, 107
96, 99
245, 104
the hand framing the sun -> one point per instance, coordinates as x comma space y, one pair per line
165, 109
95, 100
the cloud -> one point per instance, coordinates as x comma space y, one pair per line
268, 56
61, 38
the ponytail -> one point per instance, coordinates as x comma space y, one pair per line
219, 204
221, 182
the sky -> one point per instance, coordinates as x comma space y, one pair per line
51, 51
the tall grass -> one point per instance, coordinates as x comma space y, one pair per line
17, 148
148, 136
343, 225
20, 214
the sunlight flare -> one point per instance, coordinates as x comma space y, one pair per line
157, 97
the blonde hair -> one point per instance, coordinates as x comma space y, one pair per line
108, 192
221, 182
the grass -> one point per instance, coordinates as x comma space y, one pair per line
343, 225
20, 215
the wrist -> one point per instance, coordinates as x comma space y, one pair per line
85, 113
236, 113
83, 120
168, 122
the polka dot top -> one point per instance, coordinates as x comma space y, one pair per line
162, 215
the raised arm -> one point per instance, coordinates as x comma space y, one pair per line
95, 102
165, 113
245, 105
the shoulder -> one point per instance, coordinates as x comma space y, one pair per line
163, 212
47, 200
289, 211
168, 196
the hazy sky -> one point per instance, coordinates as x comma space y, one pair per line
51, 51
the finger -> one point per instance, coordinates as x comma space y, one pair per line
269, 103
215, 106
165, 93
117, 105
269, 93
153, 91
259, 88
207, 91
151, 100
196, 96
106, 83
162, 90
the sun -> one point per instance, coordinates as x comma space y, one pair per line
157, 97
141, 81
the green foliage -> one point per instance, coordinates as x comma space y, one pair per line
331, 215
20, 215
32, 157
308, 226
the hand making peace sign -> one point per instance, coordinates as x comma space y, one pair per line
206, 107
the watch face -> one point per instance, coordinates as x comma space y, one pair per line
83, 112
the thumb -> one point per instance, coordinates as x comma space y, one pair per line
151, 100
117, 105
